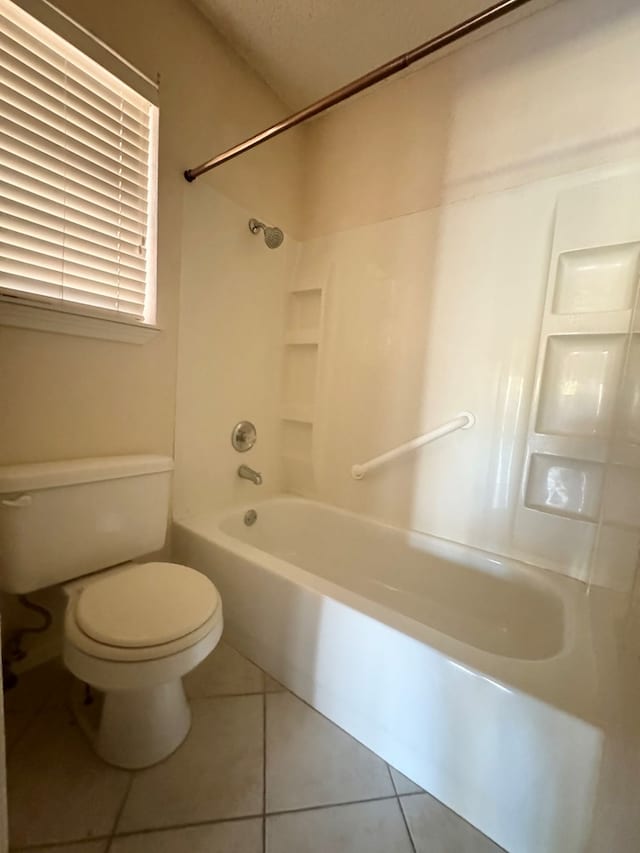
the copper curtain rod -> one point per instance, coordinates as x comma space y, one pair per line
493, 13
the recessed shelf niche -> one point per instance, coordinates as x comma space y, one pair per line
564, 486
302, 337
579, 383
595, 280
304, 311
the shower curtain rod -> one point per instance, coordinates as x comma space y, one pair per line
493, 13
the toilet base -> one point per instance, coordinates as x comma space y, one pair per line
144, 715
138, 728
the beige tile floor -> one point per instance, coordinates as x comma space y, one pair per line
260, 772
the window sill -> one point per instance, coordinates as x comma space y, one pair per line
70, 322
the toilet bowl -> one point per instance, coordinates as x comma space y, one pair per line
132, 633
132, 629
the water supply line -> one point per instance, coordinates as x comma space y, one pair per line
13, 650
382, 72
465, 420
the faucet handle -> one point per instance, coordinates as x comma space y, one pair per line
243, 436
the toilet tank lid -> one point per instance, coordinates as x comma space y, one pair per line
47, 475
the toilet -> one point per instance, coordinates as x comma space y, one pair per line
132, 630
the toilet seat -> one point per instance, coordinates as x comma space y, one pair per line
142, 613
147, 605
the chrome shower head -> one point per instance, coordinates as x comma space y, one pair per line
273, 237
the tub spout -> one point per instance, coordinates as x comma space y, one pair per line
247, 473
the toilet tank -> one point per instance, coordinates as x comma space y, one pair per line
61, 520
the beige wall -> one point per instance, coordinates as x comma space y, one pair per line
550, 94
64, 396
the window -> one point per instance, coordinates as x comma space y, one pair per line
78, 164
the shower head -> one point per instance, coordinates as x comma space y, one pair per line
273, 237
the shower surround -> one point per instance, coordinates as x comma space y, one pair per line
414, 287
549, 473
453, 259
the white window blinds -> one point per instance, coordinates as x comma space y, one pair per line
78, 178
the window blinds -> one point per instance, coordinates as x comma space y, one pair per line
78, 174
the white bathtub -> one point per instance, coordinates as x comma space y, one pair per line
472, 674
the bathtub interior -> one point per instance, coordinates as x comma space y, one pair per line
479, 599
525, 628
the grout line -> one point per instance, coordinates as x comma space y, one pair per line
333, 805
224, 696
393, 784
406, 824
264, 771
420, 793
152, 829
54, 845
253, 816
404, 817
120, 811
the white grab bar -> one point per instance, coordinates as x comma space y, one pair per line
464, 420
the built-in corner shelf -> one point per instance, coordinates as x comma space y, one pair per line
305, 287
299, 414
302, 338
302, 343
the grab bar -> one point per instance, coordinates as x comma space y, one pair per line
464, 420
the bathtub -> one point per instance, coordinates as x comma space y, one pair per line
472, 674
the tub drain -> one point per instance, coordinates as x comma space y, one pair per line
250, 517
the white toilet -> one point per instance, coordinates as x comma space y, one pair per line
131, 630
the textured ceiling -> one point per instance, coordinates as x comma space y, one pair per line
307, 48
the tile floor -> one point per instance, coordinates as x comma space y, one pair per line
260, 771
